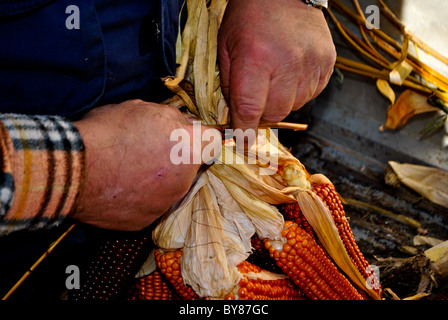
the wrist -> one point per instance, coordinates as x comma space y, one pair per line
95, 179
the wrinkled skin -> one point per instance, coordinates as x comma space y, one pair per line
274, 57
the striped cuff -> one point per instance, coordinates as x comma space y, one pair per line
42, 171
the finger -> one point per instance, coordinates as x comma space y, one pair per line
189, 118
306, 91
323, 82
326, 69
282, 95
224, 69
249, 89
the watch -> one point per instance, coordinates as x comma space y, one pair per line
317, 3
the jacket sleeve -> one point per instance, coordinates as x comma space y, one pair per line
42, 171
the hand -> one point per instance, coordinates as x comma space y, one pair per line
130, 179
274, 57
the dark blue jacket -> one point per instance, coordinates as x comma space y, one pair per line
51, 62
119, 52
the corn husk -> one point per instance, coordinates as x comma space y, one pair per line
170, 232
431, 183
205, 266
230, 209
148, 267
439, 257
400, 72
437, 252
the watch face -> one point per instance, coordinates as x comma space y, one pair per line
321, 3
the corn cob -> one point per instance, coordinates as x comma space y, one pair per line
306, 263
292, 212
110, 274
169, 265
251, 287
152, 287
332, 199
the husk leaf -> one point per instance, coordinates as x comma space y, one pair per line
204, 262
431, 183
170, 232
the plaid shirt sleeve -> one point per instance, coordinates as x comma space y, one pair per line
42, 171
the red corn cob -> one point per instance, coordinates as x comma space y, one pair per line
169, 265
306, 263
252, 288
152, 287
332, 200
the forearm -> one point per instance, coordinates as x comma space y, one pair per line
42, 171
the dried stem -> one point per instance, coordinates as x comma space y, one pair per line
391, 47
364, 35
46, 254
350, 38
405, 31
276, 125
371, 72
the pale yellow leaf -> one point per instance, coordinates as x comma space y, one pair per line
385, 88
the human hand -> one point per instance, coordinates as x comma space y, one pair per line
274, 57
130, 179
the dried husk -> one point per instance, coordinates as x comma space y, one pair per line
170, 232
266, 218
204, 264
429, 182
148, 267
409, 104
235, 167
437, 252
231, 210
400, 72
